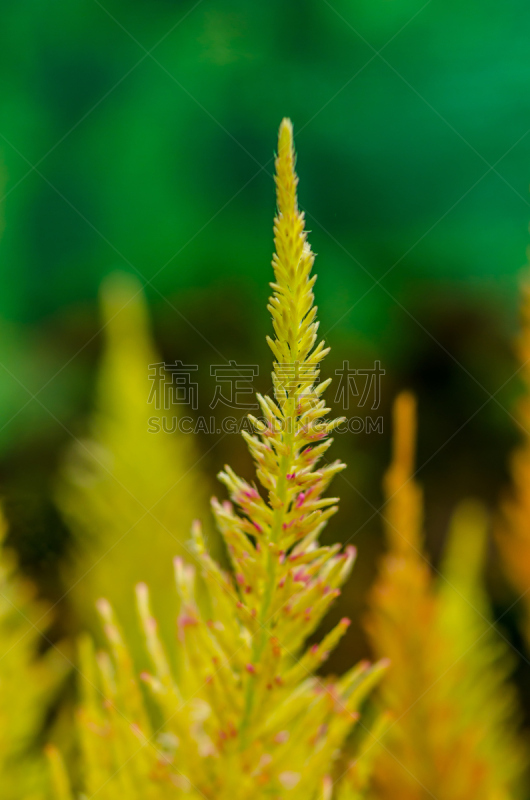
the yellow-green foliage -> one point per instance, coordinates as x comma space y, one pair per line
244, 716
129, 495
514, 530
27, 682
452, 736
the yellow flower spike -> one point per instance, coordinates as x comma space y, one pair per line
27, 681
125, 492
452, 735
242, 714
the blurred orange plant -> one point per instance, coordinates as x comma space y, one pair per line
453, 734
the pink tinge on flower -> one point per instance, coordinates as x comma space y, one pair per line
300, 576
281, 737
291, 476
258, 527
315, 437
240, 579
184, 621
250, 668
187, 619
103, 606
300, 499
289, 779
327, 787
314, 649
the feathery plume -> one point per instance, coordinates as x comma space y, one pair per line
452, 735
243, 715
127, 493
26, 682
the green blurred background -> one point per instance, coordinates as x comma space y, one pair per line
139, 135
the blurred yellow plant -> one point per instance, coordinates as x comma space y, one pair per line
129, 495
452, 736
514, 528
245, 717
27, 680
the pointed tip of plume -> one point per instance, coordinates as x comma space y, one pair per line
404, 509
103, 606
286, 180
122, 303
142, 590
405, 430
285, 134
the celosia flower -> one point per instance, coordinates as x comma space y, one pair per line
27, 681
452, 736
127, 493
243, 715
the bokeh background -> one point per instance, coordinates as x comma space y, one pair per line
139, 136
